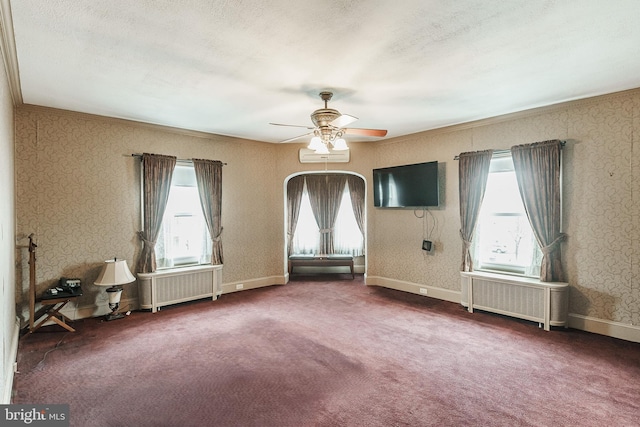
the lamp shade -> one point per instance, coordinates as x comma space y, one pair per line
340, 145
115, 272
315, 143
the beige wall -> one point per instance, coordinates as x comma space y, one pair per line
78, 191
80, 195
601, 202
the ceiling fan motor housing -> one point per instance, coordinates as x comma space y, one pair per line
330, 124
324, 116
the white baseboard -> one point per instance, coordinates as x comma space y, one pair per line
254, 283
83, 312
10, 370
414, 288
99, 310
605, 327
74, 312
576, 321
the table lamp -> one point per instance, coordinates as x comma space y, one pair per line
114, 274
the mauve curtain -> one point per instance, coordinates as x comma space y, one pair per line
325, 195
157, 173
357, 193
209, 179
473, 171
295, 188
537, 168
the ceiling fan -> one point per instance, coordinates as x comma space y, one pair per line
329, 127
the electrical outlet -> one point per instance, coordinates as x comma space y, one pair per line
239, 286
423, 291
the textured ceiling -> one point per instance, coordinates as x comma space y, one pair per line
232, 66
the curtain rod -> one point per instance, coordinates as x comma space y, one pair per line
177, 160
503, 152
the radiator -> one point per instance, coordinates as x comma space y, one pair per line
176, 285
521, 297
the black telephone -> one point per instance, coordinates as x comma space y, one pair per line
71, 284
66, 288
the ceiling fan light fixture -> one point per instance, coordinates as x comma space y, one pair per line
340, 145
315, 143
322, 149
329, 127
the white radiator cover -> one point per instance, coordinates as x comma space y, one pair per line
176, 285
521, 297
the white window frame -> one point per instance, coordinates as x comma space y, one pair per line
502, 262
204, 257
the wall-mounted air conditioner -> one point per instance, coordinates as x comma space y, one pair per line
310, 156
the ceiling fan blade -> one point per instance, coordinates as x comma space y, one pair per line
294, 126
295, 137
343, 120
365, 132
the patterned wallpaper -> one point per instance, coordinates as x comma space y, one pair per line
603, 178
601, 202
79, 192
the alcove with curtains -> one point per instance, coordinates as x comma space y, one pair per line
325, 193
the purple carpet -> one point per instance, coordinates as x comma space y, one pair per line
328, 351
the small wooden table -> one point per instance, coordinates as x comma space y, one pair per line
321, 261
51, 303
50, 310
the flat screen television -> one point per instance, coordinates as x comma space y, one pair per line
407, 186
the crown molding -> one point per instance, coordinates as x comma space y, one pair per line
9, 55
532, 112
128, 122
446, 129
577, 103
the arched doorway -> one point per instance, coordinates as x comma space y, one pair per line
357, 189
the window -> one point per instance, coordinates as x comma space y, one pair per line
184, 238
347, 235
504, 240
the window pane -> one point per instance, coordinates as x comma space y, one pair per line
504, 240
183, 238
347, 235
502, 194
306, 238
